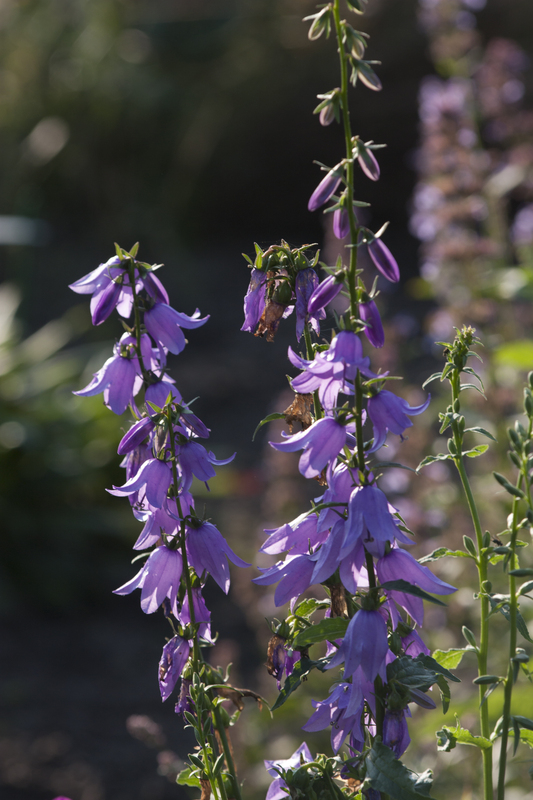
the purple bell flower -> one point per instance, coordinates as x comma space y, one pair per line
370, 520
388, 412
136, 435
254, 301
175, 656
194, 460
384, 260
324, 293
341, 713
296, 536
341, 223
158, 392
326, 188
305, 286
159, 578
164, 324
294, 575
278, 789
374, 329
364, 645
155, 476
321, 443
395, 732
413, 645
208, 551
155, 288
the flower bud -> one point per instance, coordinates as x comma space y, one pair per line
374, 329
384, 260
341, 223
324, 293
326, 188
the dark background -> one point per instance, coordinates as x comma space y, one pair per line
186, 125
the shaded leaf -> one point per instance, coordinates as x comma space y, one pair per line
390, 776
302, 668
400, 585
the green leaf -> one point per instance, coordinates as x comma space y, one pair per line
308, 607
302, 668
385, 464
483, 431
275, 415
524, 722
442, 552
434, 377
410, 672
523, 572
187, 777
446, 741
390, 776
432, 663
483, 680
358, 6
525, 588
400, 585
431, 460
450, 659
520, 624
331, 628
469, 636
476, 451
470, 546
460, 735
464, 386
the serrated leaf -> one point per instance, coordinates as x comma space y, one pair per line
187, 777
410, 672
442, 552
446, 741
302, 668
405, 587
450, 659
482, 431
270, 418
331, 628
476, 451
388, 775
431, 460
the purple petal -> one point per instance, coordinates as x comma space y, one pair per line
384, 260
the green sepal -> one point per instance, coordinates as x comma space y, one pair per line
357, 6
270, 418
400, 585
522, 572
327, 629
388, 775
483, 680
470, 546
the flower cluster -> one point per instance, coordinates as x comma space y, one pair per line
162, 453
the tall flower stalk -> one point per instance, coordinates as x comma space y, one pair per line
351, 540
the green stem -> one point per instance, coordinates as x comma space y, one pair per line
482, 565
309, 352
227, 753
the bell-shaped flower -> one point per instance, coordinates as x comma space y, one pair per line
321, 442
159, 578
374, 329
364, 645
154, 287
120, 378
413, 645
326, 188
158, 392
110, 288
388, 412
384, 260
400, 565
136, 435
175, 656
294, 575
335, 713
297, 536
395, 732
341, 484
194, 459
305, 284
254, 301
370, 520
155, 476
208, 552
278, 788
164, 324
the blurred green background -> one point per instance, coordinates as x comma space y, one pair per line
186, 125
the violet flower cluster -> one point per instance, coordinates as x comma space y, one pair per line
162, 453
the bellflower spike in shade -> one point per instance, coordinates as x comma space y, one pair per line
364, 645
159, 578
389, 413
374, 329
384, 260
165, 323
326, 188
175, 656
278, 789
324, 293
254, 301
321, 443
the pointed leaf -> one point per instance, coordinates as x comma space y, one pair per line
308, 607
450, 659
445, 694
331, 628
270, 418
400, 585
302, 668
482, 431
463, 736
442, 552
476, 451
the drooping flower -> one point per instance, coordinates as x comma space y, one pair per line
194, 459
159, 578
164, 323
155, 476
294, 576
370, 520
208, 551
364, 645
395, 731
305, 284
341, 713
321, 443
388, 412
254, 301
173, 659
